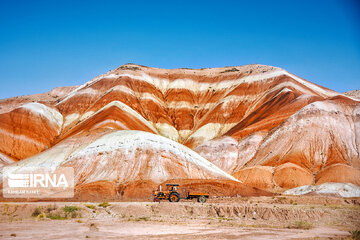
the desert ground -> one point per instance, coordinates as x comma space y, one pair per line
278, 217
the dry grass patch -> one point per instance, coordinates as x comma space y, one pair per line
91, 206
52, 212
230, 70
355, 234
104, 204
301, 225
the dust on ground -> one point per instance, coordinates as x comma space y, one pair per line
280, 217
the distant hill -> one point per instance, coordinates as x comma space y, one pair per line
353, 93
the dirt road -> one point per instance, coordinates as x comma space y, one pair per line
115, 229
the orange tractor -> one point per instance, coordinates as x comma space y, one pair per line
172, 194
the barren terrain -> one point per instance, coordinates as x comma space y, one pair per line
279, 217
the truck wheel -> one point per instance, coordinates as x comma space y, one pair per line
156, 199
174, 197
201, 199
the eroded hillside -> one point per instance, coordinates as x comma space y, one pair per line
259, 124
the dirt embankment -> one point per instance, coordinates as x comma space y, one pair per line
277, 217
276, 211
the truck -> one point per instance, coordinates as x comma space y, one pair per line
171, 193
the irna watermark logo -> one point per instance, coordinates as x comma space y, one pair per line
38, 183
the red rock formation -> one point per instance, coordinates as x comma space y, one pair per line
339, 173
96, 191
9, 104
267, 127
322, 134
290, 175
28, 130
258, 176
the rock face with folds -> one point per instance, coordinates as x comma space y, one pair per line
259, 124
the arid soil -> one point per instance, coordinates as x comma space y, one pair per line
278, 217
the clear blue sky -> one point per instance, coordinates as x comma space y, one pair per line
45, 44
